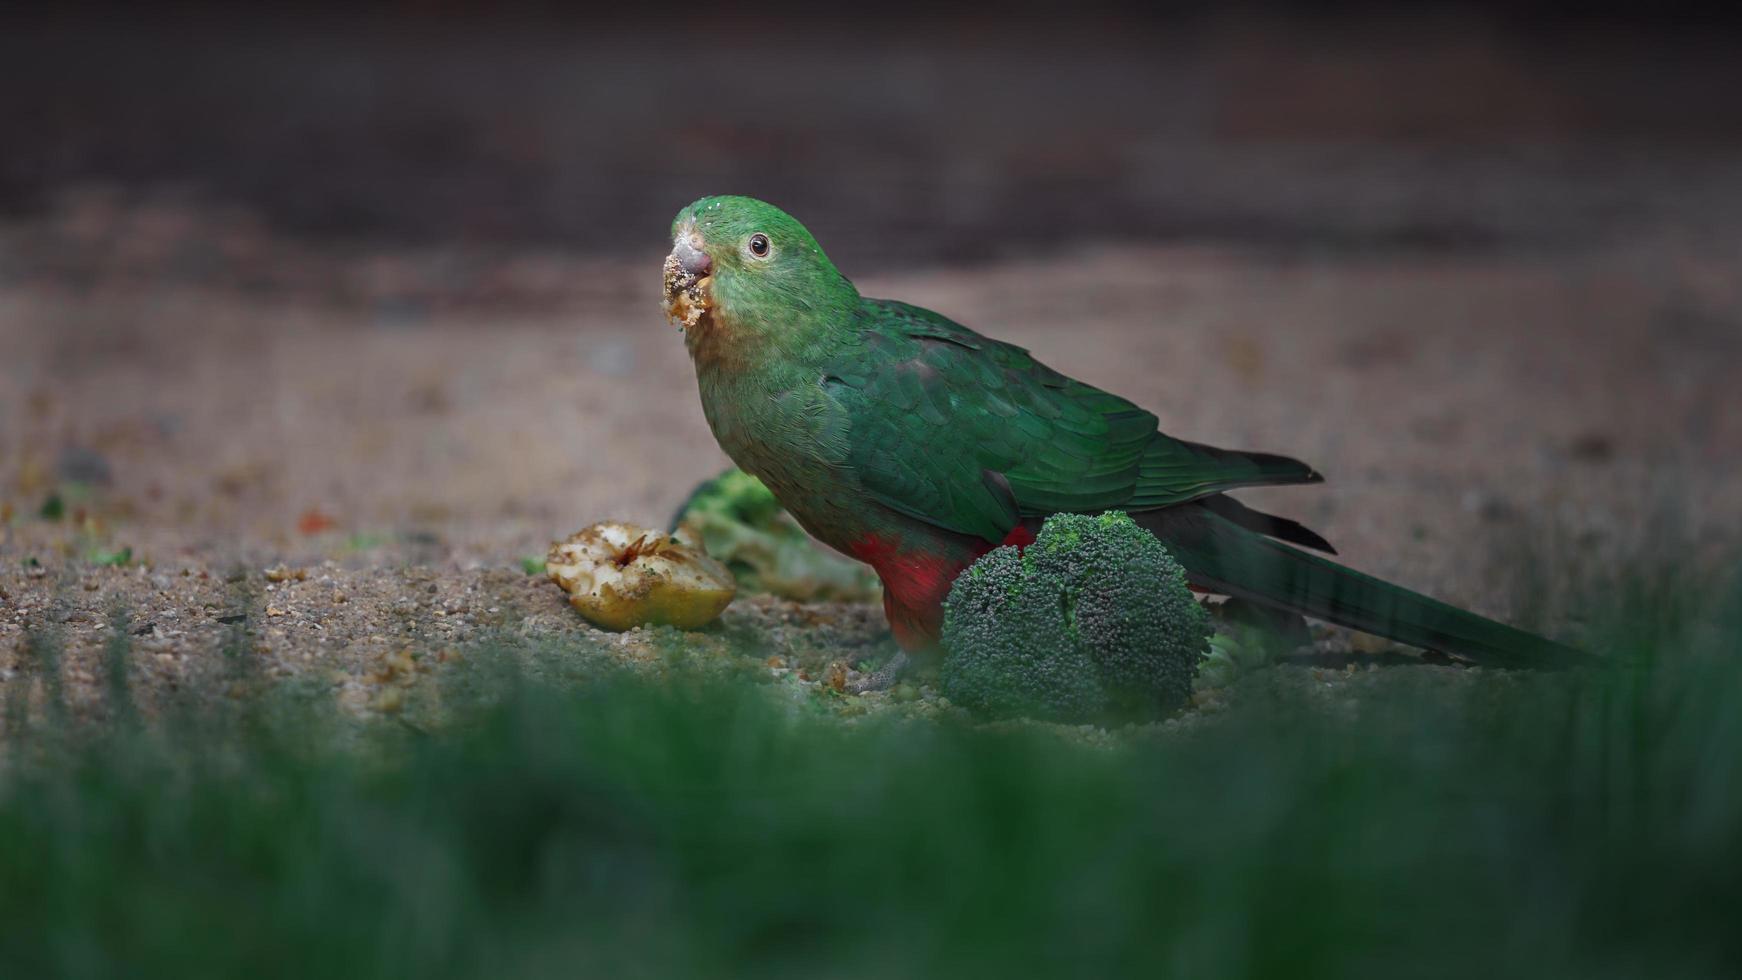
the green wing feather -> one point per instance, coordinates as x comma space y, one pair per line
972, 434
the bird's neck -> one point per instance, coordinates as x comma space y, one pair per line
761, 392
760, 344
718, 346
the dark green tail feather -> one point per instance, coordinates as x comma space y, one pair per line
1226, 558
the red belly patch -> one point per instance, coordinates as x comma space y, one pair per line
914, 586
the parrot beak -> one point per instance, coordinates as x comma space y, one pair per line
688, 276
687, 266
690, 258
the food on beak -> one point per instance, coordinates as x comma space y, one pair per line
688, 276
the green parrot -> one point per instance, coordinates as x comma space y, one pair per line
914, 444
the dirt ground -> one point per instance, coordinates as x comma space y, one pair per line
329, 458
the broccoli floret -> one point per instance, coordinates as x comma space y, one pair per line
1092, 621
737, 520
732, 493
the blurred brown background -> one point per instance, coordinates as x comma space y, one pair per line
376, 288
906, 137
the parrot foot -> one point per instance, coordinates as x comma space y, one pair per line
881, 679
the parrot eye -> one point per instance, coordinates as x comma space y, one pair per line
759, 245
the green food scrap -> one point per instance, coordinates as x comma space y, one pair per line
112, 559
364, 541
737, 521
1248, 638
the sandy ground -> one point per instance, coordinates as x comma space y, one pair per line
327, 458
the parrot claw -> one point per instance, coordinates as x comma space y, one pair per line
881, 679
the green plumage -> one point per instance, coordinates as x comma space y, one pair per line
910, 441
971, 434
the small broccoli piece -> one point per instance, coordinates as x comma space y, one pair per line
1248, 638
1092, 621
1232, 655
738, 521
732, 493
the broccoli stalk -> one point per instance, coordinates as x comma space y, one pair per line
1093, 621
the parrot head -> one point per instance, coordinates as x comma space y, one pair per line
744, 272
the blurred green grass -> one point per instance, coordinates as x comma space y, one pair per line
696, 825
